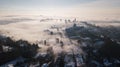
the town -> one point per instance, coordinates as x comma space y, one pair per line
72, 44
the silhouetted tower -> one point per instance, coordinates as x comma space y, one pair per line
57, 40
62, 44
74, 20
45, 42
1, 48
74, 59
62, 63
74, 25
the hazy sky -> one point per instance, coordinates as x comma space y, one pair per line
78, 8
37, 4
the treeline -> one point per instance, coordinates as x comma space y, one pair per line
10, 49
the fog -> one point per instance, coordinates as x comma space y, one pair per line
36, 29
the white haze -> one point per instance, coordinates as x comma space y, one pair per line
33, 31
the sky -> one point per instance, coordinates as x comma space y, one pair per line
71, 8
